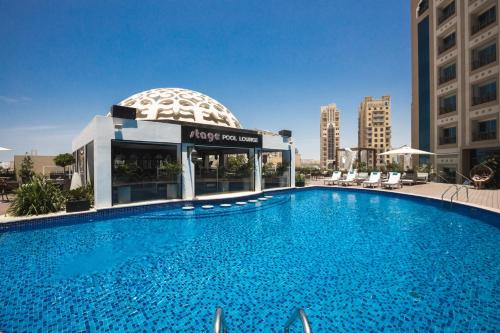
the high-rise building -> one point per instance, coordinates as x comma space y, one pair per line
455, 109
374, 127
329, 135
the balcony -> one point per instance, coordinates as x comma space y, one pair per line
446, 46
424, 5
447, 77
447, 12
484, 60
482, 136
448, 140
484, 20
447, 109
489, 97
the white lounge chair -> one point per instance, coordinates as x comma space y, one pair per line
374, 179
408, 179
334, 178
394, 180
422, 177
361, 177
350, 178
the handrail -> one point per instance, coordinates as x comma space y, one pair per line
299, 313
447, 189
445, 180
470, 180
458, 190
219, 322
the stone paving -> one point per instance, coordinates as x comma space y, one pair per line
484, 197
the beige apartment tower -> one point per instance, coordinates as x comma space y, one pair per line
329, 135
374, 128
455, 76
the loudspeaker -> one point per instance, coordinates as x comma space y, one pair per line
285, 133
118, 111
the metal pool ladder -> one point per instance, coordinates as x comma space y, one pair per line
298, 314
221, 327
219, 322
458, 188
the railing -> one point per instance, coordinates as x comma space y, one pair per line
446, 47
447, 109
483, 24
484, 98
484, 60
298, 314
448, 189
449, 12
447, 77
457, 191
484, 136
219, 322
448, 140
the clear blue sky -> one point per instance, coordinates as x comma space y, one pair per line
273, 63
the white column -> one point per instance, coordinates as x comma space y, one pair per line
187, 172
257, 159
292, 165
103, 190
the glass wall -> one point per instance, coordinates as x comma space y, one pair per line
275, 169
143, 172
222, 170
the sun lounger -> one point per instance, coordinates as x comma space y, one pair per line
361, 177
422, 177
350, 178
374, 179
334, 178
394, 180
408, 179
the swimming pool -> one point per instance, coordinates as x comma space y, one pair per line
354, 260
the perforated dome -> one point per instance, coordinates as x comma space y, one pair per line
181, 105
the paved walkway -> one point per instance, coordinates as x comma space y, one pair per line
485, 198
3, 207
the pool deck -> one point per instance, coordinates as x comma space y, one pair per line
485, 198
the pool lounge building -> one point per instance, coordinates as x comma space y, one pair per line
172, 143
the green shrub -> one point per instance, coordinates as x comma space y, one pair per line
82, 193
300, 180
171, 169
37, 196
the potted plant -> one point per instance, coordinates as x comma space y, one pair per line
172, 170
80, 199
300, 180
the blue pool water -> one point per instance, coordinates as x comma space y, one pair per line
354, 261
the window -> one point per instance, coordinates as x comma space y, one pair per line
483, 20
484, 130
447, 12
448, 42
447, 104
423, 83
448, 136
483, 56
141, 172
484, 93
447, 73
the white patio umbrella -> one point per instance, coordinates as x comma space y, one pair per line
2, 148
406, 150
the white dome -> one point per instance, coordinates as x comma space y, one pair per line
181, 105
